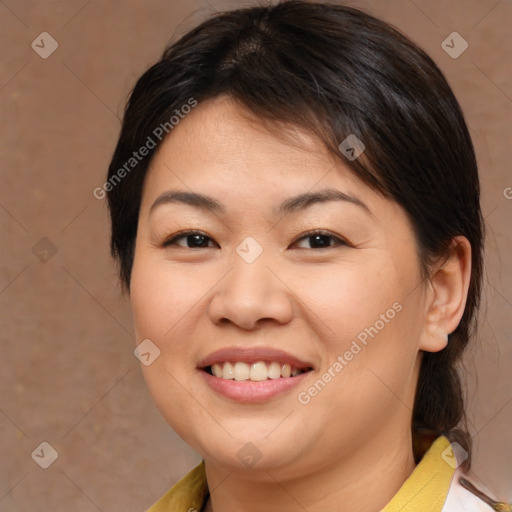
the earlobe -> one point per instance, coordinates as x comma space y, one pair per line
446, 299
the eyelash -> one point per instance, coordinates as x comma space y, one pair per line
316, 232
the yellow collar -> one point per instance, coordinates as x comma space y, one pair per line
424, 491
427, 487
190, 493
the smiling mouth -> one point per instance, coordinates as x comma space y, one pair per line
255, 372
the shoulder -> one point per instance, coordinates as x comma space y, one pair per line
459, 498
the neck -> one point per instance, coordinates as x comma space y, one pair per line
366, 480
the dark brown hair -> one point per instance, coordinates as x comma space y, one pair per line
335, 71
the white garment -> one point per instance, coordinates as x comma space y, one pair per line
459, 499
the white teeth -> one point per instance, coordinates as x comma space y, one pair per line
256, 371
274, 370
227, 371
217, 370
241, 371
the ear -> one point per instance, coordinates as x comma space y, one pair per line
446, 295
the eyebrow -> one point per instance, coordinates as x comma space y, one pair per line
290, 205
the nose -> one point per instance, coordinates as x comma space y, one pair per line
250, 295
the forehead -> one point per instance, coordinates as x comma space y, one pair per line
221, 147
220, 130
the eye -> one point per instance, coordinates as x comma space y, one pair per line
196, 239
320, 239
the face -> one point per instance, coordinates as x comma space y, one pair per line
329, 290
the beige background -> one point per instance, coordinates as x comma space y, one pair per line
68, 374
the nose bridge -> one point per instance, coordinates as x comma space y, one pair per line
250, 274
251, 292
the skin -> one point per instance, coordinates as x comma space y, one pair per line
298, 296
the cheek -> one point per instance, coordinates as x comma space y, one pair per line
369, 318
162, 296
349, 297
162, 301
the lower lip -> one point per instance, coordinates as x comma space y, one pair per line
249, 391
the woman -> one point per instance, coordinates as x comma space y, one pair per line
295, 209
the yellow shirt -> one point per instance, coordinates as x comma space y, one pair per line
426, 490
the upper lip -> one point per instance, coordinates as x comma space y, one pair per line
252, 355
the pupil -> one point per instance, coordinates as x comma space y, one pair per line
197, 238
317, 237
